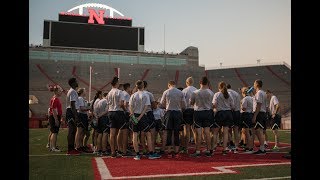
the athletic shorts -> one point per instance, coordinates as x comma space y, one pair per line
236, 118
117, 119
52, 123
246, 119
172, 120
103, 125
188, 116
83, 121
142, 126
224, 118
70, 120
151, 119
159, 125
261, 120
276, 122
203, 118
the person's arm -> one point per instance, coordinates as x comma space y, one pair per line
214, 101
54, 109
256, 112
244, 104
276, 111
143, 112
163, 100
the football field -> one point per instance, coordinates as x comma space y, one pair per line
52, 166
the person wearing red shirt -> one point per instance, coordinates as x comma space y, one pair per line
55, 112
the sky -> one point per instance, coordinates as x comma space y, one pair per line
230, 32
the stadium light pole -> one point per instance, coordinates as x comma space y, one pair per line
90, 83
164, 39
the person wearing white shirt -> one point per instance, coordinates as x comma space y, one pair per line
116, 115
236, 119
83, 120
259, 117
158, 115
151, 119
72, 118
223, 103
246, 118
274, 107
138, 105
94, 122
124, 132
201, 100
188, 112
173, 101
103, 127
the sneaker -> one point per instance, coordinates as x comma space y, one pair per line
177, 156
55, 150
153, 156
195, 155
259, 152
127, 154
114, 155
137, 157
48, 146
235, 151
248, 151
170, 156
275, 148
161, 152
208, 154
73, 152
266, 146
224, 152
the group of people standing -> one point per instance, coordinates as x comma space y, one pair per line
123, 116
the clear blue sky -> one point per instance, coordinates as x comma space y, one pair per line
234, 32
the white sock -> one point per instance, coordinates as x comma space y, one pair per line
262, 147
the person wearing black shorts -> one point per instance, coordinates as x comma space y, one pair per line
151, 119
138, 105
259, 115
274, 107
188, 112
55, 113
173, 101
103, 127
224, 104
246, 118
83, 120
72, 115
203, 115
116, 116
236, 120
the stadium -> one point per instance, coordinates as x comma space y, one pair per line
64, 55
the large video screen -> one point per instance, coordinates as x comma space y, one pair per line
94, 36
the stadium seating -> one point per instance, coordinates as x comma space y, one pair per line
44, 70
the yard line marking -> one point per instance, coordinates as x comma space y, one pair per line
285, 177
103, 169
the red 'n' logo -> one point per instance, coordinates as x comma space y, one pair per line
93, 14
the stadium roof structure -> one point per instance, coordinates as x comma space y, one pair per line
250, 65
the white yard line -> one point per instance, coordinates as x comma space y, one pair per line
285, 177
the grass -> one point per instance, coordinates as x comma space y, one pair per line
62, 167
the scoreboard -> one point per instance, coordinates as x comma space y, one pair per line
74, 31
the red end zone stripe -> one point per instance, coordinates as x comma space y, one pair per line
164, 167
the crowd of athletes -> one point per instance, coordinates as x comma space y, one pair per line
128, 121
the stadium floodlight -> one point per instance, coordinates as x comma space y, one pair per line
129, 74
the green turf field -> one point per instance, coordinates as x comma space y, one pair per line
53, 166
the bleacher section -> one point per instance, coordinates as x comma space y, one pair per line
50, 66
